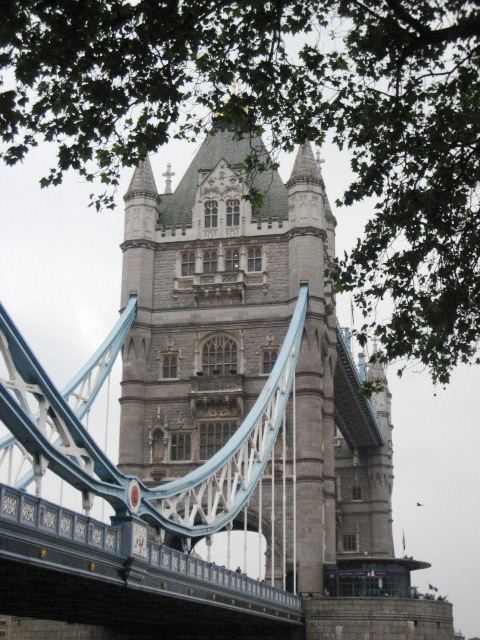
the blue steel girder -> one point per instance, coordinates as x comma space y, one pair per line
76, 445
86, 384
354, 414
181, 507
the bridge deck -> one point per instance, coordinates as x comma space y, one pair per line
353, 412
60, 565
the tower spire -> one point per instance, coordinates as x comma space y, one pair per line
376, 370
142, 182
305, 166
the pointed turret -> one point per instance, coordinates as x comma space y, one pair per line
141, 214
375, 369
305, 167
143, 182
380, 467
381, 400
306, 191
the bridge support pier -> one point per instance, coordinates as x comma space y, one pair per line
377, 619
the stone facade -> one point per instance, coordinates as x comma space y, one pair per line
377, 619
5, 627
224, 287
217, 279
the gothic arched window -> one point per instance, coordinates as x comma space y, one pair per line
158, 446
209, 261
214, 435
180, 447
211, 214
219, 356
188, 264
233, 213
255, 259
232, 260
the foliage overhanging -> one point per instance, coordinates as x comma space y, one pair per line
395, 81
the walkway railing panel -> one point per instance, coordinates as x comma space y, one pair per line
68, 529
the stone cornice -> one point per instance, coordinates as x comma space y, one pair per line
142, 194
138, 243
304, 231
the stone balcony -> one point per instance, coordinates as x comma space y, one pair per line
222, 393
220, 287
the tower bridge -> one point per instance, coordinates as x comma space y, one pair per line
240, 407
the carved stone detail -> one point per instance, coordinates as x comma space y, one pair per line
139, 540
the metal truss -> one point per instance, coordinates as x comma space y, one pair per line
204, 501
80, 393
207, 499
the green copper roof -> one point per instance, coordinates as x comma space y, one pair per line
221, 143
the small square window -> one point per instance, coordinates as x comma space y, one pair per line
357, 493
180, 447
215, 435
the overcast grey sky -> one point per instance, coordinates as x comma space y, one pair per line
60, 271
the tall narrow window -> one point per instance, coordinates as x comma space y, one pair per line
180, 447
209, 262
269, 357
214, 435
158, 447
255, 259
350, 542
233, 213
169, 366
232, 260
219, 356
188, 264
211, 214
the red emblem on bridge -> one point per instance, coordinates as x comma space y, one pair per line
134, 495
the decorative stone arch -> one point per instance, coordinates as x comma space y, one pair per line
159, 446
220, 353
217, 192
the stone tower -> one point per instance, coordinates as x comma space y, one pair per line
217, 279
